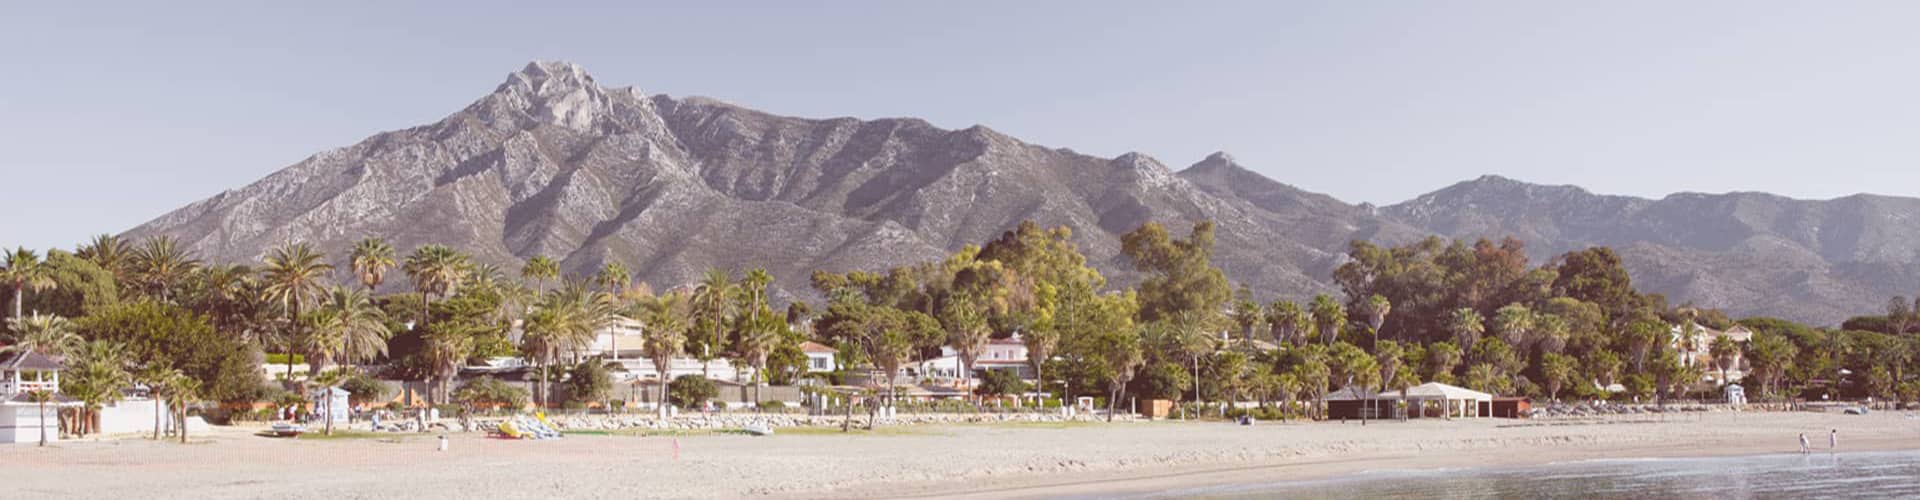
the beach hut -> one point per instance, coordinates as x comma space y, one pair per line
1514, 407
317, 398
1448, 401
1357, 403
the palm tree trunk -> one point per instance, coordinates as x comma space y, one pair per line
43, 424
181, 408
158, 409
18, 292
293, 334
328, 394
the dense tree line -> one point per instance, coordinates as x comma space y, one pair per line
1477, 314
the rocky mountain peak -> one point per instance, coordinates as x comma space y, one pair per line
556, 92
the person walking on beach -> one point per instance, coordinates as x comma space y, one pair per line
1804, 445
1833, 439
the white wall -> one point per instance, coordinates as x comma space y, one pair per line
129, 416
20, 423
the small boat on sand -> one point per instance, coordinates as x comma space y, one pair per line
286, 429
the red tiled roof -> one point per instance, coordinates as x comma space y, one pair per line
811, 346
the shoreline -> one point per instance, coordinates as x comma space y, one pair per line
935, 461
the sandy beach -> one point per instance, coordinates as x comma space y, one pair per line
965, 461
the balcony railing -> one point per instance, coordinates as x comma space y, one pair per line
27, 386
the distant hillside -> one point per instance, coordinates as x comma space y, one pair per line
553, 163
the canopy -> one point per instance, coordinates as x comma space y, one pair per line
1439, 391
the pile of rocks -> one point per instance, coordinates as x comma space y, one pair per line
1599, 409
721, 421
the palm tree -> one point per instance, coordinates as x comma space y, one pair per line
22, 270
1190, 334
355, 329
712, 300
295, 273
1329, 316
567, 319
1466, 326
1288, 322
967, 333
1724, 351
181, 392
41, 397
1288, 384
540, 270
96, 373
160, 263
156, 377
44, 334
666, 336
1515, 324
110, 253
756, 343
446, 348
613, 278
371, 259
1377, 309
435, 270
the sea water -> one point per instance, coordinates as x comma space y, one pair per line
1817, 475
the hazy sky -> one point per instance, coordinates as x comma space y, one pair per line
113, 114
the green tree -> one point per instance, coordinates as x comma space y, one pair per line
1771, 357
370, 261
666, 335
691, 391
1180, 273
222, 367
1001, 383
1377, 309
1328, 316
713, 304
1466, 325
1557, 369
490, 392
1724, 350
1288, 322
1442, 358
22, 271
47, 335
109, 253
540, 270
295, 275
95, 374
588, 382
40, 398
79, 287
354, 329
160, 264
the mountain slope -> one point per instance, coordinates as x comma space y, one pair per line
552, 163
1749, 253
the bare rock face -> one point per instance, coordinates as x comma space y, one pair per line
552, 163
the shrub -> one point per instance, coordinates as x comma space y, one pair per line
280, 358
719, 405
688, 391
362, 388
1001, 383
772, 405
490, 392
588, 382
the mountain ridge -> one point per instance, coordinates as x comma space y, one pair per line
553, 163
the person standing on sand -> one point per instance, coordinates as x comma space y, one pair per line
1833, 439
1804, 445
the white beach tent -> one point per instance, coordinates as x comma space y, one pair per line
1456, 401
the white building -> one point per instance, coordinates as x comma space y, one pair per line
1000, 354
820, 358
1700, 351
20, 417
